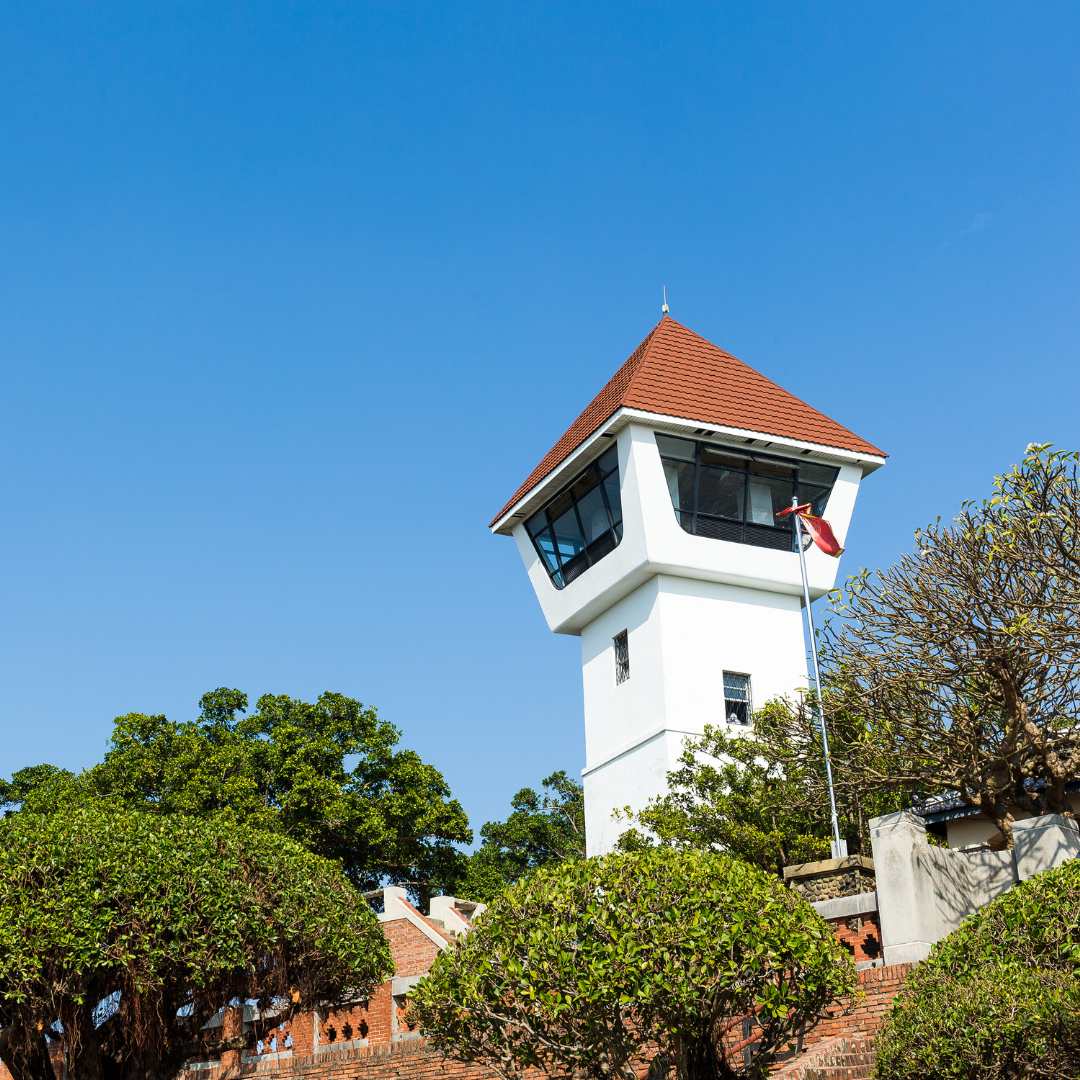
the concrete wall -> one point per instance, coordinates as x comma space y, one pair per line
682, 636
925, 892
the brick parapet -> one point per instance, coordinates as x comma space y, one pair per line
839, 1058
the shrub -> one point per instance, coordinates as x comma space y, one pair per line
122, 933
1000, 996
589, 966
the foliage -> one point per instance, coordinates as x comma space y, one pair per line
999, 997
763, 797
586, 965
122, 933
541, 830
964, 658
282, 769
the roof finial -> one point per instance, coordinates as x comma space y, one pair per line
664, 309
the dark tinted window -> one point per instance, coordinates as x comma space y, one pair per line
727, 495
581, 524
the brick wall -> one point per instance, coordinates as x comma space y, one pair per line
413, 951
860, 935
857, 1016
841, 1058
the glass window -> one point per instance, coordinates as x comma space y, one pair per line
614, 499
546, 546
823, 475
568, 535
722, 493
675, 448
767, 498
622, 657
582, 524
737, 703
817, 497
680, 483
593, 514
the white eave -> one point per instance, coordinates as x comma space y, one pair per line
740, 438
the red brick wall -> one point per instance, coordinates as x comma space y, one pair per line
860, 935
835, 1059
413, 951
862, 1016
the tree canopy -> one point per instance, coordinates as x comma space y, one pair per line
964, 657
541, 829
955, 671
584, 967
329, 775
763, 796
123, 933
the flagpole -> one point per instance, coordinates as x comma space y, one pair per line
839, 847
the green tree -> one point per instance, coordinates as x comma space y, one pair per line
122, 933
763, 796
541, 829
285, 768
999, 997
964, 657
585, 967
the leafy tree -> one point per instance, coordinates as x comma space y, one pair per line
122, 933
285, 768
964, 658
541, 830
585, 967
763, 797
999, 997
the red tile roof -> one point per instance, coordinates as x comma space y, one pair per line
675, 372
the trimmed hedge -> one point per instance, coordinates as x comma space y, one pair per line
583, 967
999, 997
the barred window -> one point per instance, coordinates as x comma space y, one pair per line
728, 494
737, 705
622, 657
582, 524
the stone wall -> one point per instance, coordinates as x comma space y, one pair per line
831, 878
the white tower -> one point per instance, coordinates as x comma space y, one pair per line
650, 531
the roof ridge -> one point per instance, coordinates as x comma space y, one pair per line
761, 375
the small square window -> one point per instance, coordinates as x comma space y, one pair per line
737, 704
622, 657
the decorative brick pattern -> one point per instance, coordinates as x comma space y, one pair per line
860, 935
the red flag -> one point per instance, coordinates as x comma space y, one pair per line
819, 529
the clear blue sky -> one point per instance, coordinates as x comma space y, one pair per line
293, 296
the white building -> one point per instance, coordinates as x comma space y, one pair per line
650, 531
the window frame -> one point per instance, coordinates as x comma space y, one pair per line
747, 528
621, 644
749, 701
591, 553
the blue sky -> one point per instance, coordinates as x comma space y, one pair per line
293, 296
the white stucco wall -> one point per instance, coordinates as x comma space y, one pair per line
693, 607
682, 636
